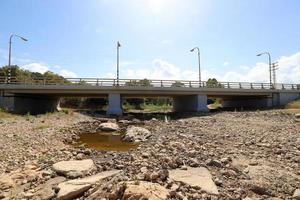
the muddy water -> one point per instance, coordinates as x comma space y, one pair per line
105, 141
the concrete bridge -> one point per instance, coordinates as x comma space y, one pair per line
42, 95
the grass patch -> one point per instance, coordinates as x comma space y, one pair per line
153, 107
41, 127
216, 105
4, 114
68, 111
293, 105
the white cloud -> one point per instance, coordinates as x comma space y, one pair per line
225, 63
36, 67
67, 74
42, 68
166, 42
289, 72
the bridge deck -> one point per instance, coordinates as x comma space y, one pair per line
130, 87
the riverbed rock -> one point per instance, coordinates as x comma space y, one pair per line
136, 134
296, 194
195, 177
45, 191
145, 190
75, 188
6, 182
108, 126
74, 168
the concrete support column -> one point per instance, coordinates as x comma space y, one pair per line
114, 105
192, 103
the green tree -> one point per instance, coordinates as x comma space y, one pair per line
213, 83
177, 84
144, 83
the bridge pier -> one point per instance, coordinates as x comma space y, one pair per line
190, 103
33, 104
114, 105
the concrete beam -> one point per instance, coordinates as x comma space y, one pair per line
114, 105
190, 103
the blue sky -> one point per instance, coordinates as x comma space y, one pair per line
78, 38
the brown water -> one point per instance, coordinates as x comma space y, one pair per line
105, 141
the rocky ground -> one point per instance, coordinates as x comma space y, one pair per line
226, 155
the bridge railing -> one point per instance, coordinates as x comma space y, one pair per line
145, 83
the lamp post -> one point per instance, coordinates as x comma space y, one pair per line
9, 53
118, 60
199, 62
270, 66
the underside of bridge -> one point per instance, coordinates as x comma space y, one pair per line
33, 104
42, 103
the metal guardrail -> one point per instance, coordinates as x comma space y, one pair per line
145, 83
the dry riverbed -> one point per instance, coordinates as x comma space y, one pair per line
228, 155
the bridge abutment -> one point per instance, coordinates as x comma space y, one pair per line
190, 103
114, 105
274, 100
33, 104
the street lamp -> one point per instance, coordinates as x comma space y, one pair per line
118, 60
198, 51
270, 66
9, 53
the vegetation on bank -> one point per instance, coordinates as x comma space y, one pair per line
4, 114
22, 74
294, 105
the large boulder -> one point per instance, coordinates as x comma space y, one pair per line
108, 126
136, 134
195, 177
74, 168
145, 190
75, 188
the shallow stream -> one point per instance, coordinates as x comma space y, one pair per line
107, 141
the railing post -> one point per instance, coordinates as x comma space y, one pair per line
251, 85
161, 83
97, 82
293, 87
240, 85
114, 82
190, 83
262, 86
228, 85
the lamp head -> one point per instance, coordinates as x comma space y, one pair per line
192, 50
259, 54
24, 39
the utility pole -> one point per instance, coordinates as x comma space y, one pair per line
274, 68
118, 60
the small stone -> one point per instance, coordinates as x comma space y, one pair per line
145, 190
296, 194
109, 126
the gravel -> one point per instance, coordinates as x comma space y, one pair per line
250, 155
